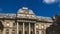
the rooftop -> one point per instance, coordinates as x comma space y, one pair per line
26, 13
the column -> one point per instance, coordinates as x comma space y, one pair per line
23, 29
35, 28
29, 28
17, 28
0, 32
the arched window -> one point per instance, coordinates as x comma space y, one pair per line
25, 32
31, 32
37, 32
37, 26
7, 31
42, 26
42, 32
7, 24
13, 31
19, 32
14, 24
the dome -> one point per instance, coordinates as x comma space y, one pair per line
25, 10
22, 10
31, 12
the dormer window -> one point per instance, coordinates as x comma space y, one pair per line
21, 11
32, 15
27, 15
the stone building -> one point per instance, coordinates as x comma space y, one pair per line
24, 22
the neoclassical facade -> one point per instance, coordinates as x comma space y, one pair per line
24, 22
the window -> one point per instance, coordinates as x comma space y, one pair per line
21, 15
37, 32
37, 26
7, 31
19, 32
14, 24
25, 32
13, 31
32, 15
42, 32
28, 15
42, 26
31, 32
7, 24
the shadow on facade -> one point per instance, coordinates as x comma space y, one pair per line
1, 26
55, 27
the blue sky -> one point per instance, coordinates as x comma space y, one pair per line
39, 7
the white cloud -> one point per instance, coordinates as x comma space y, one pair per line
52, 1
49, 1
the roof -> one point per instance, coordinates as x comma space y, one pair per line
42, 18
2, 15
25, 10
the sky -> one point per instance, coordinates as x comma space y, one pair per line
40, 7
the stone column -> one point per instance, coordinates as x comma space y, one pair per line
29, 28
35, 28
0, 32
23, 29
17, 28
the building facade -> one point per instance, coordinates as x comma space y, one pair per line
24, 22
